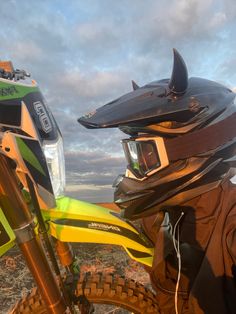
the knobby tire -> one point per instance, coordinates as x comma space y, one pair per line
99, 288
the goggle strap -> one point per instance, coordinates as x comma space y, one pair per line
201, 141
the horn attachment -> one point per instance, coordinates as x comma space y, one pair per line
179, 78
135, 85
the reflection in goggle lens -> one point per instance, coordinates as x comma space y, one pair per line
142, 156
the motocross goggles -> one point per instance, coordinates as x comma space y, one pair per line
145, 156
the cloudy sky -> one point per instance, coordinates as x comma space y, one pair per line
85, 53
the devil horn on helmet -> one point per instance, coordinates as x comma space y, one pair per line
179, 78
135, 85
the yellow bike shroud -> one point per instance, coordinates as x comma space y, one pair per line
77, 221
7, 237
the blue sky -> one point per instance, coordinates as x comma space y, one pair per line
85, 53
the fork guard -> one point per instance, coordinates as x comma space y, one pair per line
77, 221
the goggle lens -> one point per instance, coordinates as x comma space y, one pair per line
142, 156
149, 157
133, 159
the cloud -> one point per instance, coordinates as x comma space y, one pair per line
85, 53
99, 85
91, 193
218, 19
229, 7
94, 167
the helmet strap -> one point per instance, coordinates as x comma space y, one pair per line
201, 141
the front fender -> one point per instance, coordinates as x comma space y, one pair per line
78, 221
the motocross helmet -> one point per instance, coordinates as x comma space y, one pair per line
182, 134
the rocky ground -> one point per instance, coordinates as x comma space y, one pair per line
15, 279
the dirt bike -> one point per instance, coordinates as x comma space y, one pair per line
35, 214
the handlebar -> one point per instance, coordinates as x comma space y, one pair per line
15, 75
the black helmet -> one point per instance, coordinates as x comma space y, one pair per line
182, 140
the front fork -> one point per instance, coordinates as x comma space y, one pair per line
67, 257
68, 260
20, 219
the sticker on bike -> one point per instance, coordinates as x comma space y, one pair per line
43, 116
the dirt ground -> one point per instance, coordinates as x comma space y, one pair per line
15, 279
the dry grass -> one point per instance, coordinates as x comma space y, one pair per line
15, 279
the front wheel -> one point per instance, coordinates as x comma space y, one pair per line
100, 289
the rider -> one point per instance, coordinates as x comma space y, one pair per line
181, 159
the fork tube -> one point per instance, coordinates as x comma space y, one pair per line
20, 219
32, 251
